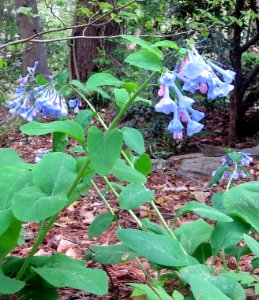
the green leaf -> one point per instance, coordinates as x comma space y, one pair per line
134, 195
130, 86
252, 244
125, 173
133, 139
177, 296
30, 204
203, 210
51, 177
12, 179
54, 173
228, 234
217, 202
100, 224
8, 239
255, 263
60, 142
144, 44
192, 234
100, 79
9, 285
152, 292
41, 80
159, 249
84, 118
143, 164
62, 271
9, 157
166, 44
68, 127
121, 97
104, 149
87, 89
204, 290
145, 60
243, 201
110, 255
38, 289
203, 252
218, 286
218, 175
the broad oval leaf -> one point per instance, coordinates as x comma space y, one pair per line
9, 157
100, 79
55, 173
203, 210
30, 204
133, 139
143, 164
252, 244
228, 234
144, 44
166, 44
104, 149
192, 234
159, 249
12, 179
125, 173
9, 285
121, 97
243, 200
145, 60
134, 195
62, 271
112, 254
8, 239
100, 224
68, 127
84, 118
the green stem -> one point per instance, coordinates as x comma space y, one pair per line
144, 270
231, 177
224, 260
52, 220
117, 119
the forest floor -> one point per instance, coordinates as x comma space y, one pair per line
69, 234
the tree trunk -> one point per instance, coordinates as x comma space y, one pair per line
28, 26
84, 52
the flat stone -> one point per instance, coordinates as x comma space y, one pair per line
199, 166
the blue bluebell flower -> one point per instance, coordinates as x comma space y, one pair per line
228, 75
75, 103
227, 162
32, 102
175, 127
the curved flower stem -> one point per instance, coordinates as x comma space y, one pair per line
117, 119
52, 220
231, 177
106, 203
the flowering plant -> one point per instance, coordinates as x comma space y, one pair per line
36, 96
196, 75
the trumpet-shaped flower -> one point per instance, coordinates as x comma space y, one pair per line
30, 102
228, 75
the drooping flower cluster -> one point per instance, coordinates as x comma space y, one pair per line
182, 110
31, 100
200, 75
243, 160
196, 75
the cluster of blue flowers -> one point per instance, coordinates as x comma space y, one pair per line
228, 164
196, 74
31, 101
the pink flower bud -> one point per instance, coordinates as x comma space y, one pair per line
161, 90
183, 116
203, 88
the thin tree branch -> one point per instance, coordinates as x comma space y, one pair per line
250, 77
38, 34
255, 38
